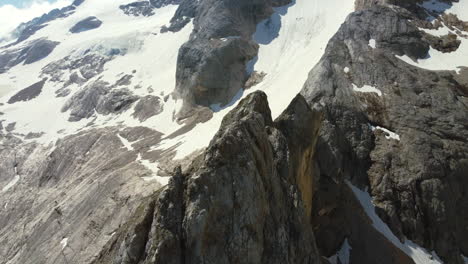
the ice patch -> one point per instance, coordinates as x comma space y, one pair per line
153, 167
64, 243
11, 183
416, 252
372, 43
367, 89
343, 255
388, 134
126, 143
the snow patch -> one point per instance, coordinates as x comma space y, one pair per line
291, 42
372, 43
343, 255
153, 167
11, 183
346, 70
126, 143
388, 134
437, 60
416, 252
367, 89
64, 243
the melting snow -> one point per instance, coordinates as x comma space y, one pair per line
367, 89
64, 243
126, 143
437, 60
153, 167
416, 252
343, 255
388, 134
11, 183
291, 42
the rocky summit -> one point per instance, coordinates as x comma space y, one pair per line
236, 131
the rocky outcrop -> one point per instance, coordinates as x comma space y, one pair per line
62, 205
28, 93
98, 97
242, 201
86, 24
211, 66
405, 141
147, 107
31, 52
84, 68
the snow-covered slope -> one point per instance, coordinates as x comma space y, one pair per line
291, 41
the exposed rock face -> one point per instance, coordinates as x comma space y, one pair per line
98, 97
31, 52
416, 177
28, 93
147, 107
212, 64
86, 24
240, 202
141, 8
81, 191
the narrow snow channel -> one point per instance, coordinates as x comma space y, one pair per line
11, 184
416, 252
343, 255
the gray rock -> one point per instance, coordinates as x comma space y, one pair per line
141, 8
147, 107
39, 50
31, 52
100, 97
86, 24
211, 66
416, 181
83, 190
238, 203
83, 68
28, 93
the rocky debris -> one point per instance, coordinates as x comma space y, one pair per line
140, 8
98, 97
254, 79
447, 43
415, 177
240, 202
28, 93
125, 80
83, 190
29, 53
146, 8
86, 24
83, 68
147, 107
211, 66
